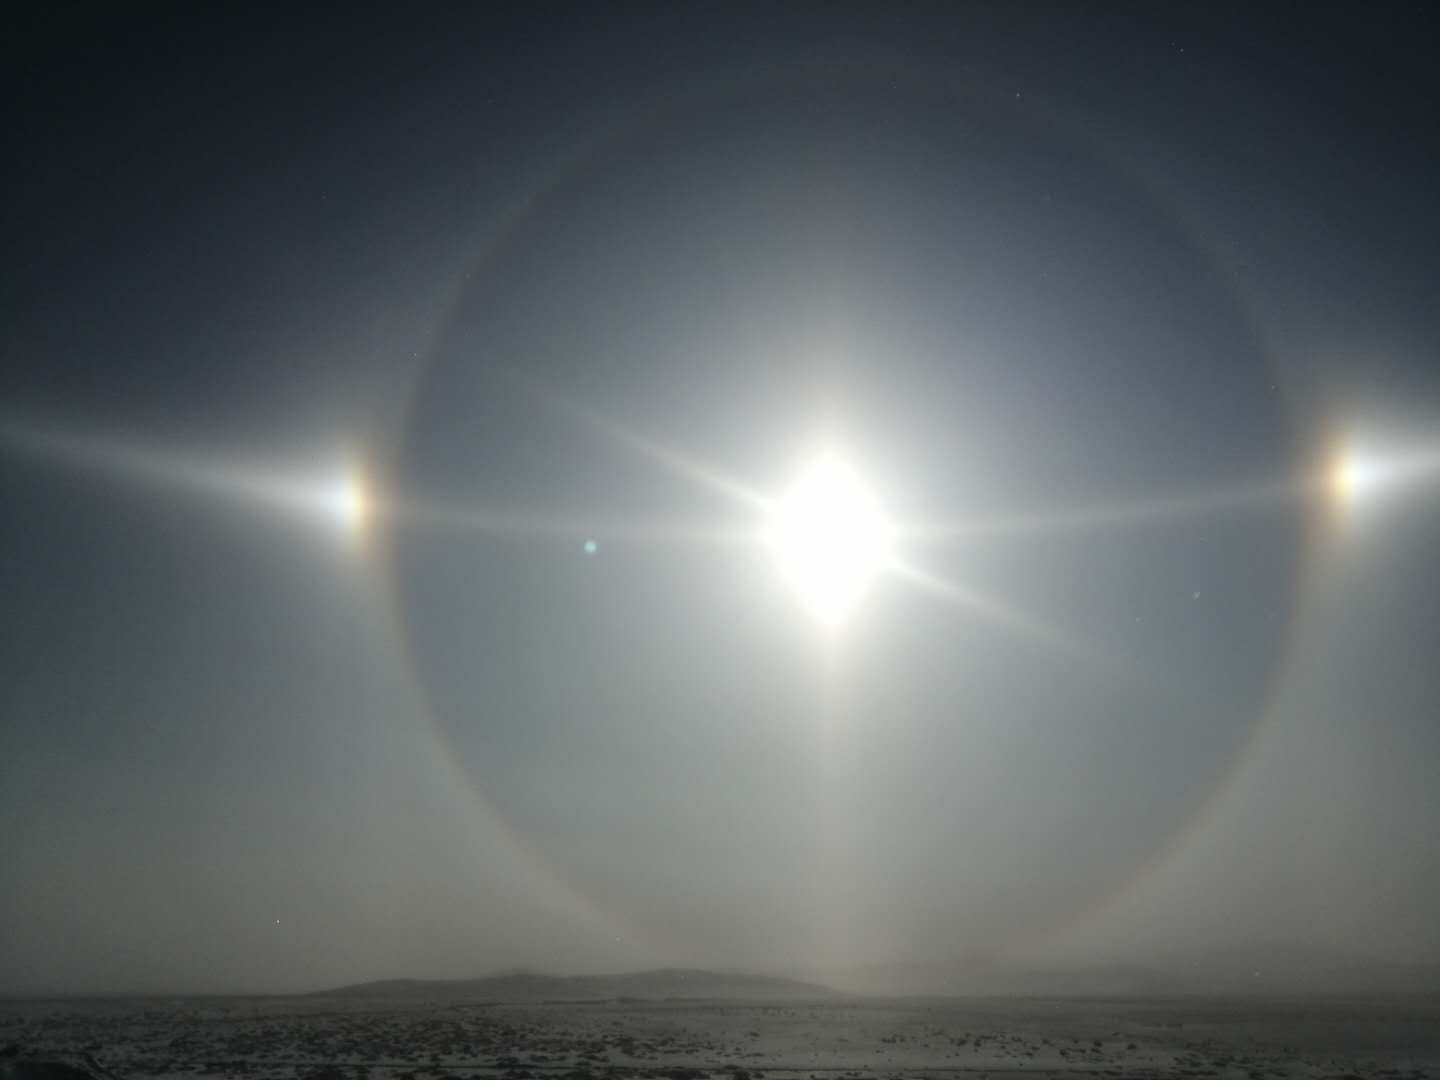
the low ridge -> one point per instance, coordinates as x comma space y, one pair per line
667, 983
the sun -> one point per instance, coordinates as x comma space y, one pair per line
829, 537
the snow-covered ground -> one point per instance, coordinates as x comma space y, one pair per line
1389, 1038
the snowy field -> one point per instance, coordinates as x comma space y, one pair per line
1394, 1038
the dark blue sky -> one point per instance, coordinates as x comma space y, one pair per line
1051, 270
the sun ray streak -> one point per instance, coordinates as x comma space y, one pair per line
667, 457
1159, 511
337, 494
1025, 625
566, 526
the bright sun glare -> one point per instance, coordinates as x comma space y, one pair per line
1349, 477
829, 537
348, 503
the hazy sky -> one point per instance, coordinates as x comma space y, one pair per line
1090, 301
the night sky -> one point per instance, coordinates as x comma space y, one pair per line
399, 420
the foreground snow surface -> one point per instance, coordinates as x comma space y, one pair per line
1318, 1038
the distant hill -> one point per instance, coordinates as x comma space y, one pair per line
1251, 968
527, 986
